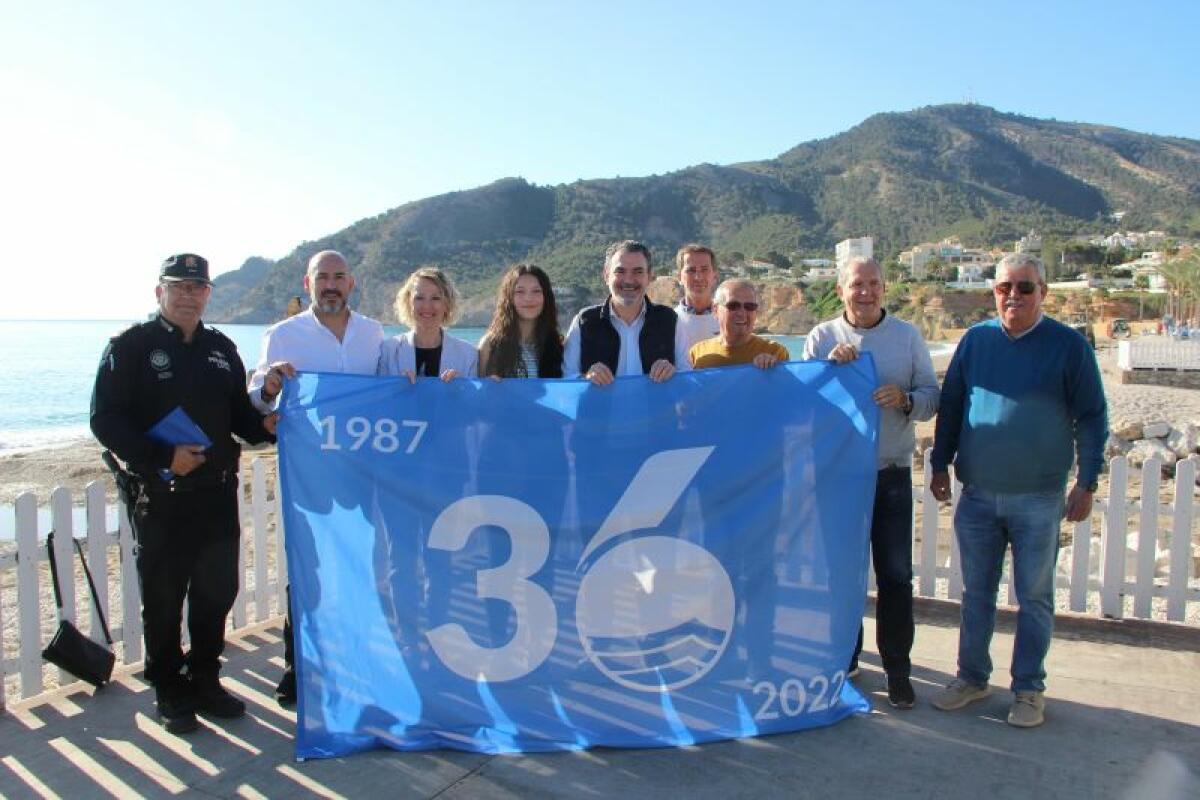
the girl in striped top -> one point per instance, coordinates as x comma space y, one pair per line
523, 340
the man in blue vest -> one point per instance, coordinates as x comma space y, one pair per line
627, 334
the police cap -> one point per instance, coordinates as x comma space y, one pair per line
185, 267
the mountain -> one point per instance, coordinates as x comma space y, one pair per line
244, 279
965, 170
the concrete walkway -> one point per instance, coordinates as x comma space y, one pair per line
1123, 715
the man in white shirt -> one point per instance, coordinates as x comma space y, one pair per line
697, 266
327, 337
627, 334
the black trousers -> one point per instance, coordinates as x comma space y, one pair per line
289, 653
891, 555
187, 546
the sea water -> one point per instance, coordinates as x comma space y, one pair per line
47, 369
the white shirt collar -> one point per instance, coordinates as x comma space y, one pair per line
1028, 330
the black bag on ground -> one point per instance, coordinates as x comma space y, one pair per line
70, 649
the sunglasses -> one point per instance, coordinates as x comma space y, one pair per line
737, 305
1024, 287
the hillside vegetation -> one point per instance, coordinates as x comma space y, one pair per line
902, 178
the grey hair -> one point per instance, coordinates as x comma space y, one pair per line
317, 258
843, 273
1020, 260
628, 246
728, 285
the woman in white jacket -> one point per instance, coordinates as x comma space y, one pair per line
427, 303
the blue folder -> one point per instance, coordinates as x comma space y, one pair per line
177, 428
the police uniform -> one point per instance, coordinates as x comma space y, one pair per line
187, 527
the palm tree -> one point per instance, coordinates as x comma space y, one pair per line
822, 300
1182, 274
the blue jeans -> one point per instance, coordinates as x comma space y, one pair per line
985, 524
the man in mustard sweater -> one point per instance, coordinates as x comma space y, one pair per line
736, 302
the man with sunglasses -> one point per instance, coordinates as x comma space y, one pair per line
907, 393
736, 303
1021, 402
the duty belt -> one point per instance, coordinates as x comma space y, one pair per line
188, 484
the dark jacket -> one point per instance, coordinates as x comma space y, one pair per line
600, 342
146, 372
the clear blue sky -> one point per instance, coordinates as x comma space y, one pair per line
134, 130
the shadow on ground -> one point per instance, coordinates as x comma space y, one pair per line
1101, 728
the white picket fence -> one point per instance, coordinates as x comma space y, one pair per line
1158, 352
262, 580
1139, 563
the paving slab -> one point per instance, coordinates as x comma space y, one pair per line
1122, 719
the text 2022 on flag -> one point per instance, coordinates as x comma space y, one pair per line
533, 565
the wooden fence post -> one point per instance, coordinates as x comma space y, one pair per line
1180, 558
63, 525
1112, 542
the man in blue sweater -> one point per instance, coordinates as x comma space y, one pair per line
1021, 401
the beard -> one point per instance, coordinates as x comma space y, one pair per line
331, 304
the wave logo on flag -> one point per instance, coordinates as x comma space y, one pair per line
680, 598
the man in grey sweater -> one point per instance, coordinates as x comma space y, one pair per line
907, 393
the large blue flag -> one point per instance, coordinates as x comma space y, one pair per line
530, 565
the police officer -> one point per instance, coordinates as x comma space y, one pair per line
186, 515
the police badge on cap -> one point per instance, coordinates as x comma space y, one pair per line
185, 267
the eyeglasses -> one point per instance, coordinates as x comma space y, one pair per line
186, 287
1023, 287
737, 305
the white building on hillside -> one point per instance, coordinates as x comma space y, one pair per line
1130, 240
1030, 243
863, 247
949, 251
818, 274
1148, 267
970, 273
